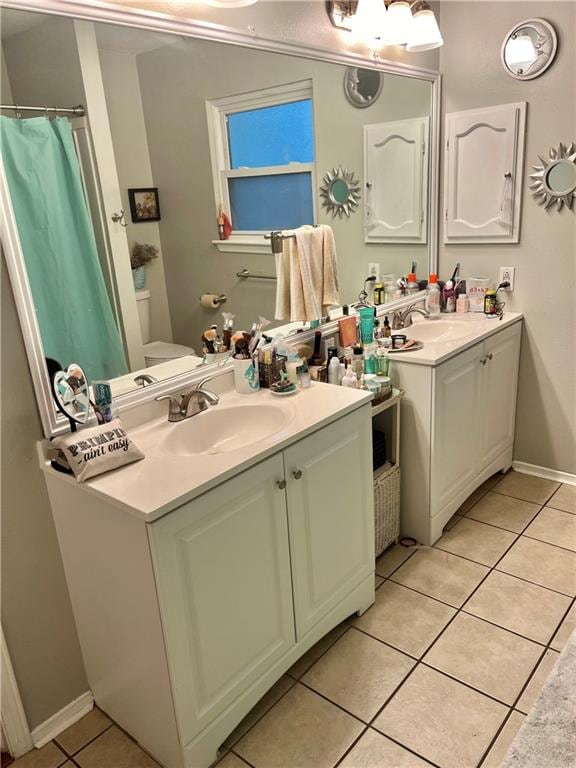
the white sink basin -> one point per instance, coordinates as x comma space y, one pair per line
222, 429
438, 330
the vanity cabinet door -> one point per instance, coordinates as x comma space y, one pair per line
223, 576
499, 386
456, 425
331, 515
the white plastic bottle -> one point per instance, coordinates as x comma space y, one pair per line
349, 379
462, 303
334, 371
433, 296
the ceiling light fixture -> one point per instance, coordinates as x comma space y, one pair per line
394, 22
369, 21
425, 33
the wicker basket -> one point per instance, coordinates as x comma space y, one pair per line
386, 508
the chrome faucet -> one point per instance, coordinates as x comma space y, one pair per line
404, 319
145, 378
190, 404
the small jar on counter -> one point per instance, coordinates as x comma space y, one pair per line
462, 303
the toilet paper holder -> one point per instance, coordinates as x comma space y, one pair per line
213, 300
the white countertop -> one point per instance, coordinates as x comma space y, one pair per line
477, 328
163, 481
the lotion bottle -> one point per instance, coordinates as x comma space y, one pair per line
433, 296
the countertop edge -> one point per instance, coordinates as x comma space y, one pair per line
199, 490
398, 358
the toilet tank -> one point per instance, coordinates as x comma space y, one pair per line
143, 304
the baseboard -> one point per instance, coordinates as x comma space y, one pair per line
548, 474
63, 719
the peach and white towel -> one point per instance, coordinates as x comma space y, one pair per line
307, 275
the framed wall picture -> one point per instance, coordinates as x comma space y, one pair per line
144, 204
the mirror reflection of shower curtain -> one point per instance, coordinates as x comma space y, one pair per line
72, 305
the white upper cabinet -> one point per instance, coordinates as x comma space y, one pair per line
396, 177
483, 174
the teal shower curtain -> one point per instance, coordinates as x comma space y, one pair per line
70, 297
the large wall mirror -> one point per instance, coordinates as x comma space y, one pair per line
174, 127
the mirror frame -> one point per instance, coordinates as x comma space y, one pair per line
53, 423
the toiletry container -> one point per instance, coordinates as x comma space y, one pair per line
246, 380
367, 325
156, 352
462, 303
412, 286
476, 288
433, 296
449, 297
350, 379
334, 371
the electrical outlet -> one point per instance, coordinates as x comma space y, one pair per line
507, 275
374, 269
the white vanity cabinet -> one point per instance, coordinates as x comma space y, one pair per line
187, 620
458, 428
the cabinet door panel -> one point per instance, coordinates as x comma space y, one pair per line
482, 174
396, 174
456, 426
223, 572
499, 386
331, 518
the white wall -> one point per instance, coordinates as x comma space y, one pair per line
545, 258
123, 99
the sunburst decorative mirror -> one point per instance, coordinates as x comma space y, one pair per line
340, 192
554, 181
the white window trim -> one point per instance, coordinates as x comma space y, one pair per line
216, 111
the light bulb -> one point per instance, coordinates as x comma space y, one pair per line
369, 21
520, 50
426, 33
399, 23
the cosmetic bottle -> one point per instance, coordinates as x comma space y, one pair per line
433, 296
367, 324
358, 361
449, 297
334, 371
462, 303
350, 379
412, 284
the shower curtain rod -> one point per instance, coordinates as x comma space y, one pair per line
77, 110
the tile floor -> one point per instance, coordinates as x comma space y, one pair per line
440, 671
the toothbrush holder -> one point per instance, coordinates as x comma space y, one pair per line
246, 380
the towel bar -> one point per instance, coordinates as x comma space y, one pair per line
245, 274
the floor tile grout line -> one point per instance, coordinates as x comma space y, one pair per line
501, 527
234, 743
495, 738
418, 592
534, 583
71, 754
239, 756
543, 541
415, 548
334, 703
323, 652
499, 626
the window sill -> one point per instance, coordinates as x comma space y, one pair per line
244, 244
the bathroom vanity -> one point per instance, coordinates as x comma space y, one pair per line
458, 414
199, 575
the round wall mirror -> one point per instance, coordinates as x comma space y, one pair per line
340, 192
529, 49
71, 392
554, 180
362, 86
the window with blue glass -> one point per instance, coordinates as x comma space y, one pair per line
267, 158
